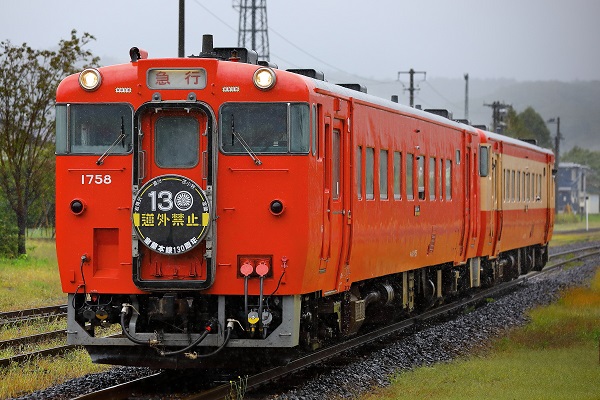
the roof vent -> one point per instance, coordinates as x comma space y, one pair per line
354, 86
439, 111
530, 141
239, 54
311, 73
265, 63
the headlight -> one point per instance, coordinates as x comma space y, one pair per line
90, 79
264, 78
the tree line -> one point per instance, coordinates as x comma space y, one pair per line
28, 82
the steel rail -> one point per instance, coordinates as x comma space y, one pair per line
20, 316
564, 253
33, 339
123, 390
22, 358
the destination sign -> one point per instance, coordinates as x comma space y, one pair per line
176, 78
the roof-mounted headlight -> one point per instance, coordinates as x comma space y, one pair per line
264, 78
90, 79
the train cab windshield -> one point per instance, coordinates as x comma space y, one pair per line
265, 128
94, 128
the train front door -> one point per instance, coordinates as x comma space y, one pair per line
171, 210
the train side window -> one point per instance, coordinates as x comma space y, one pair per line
369, 172
383, 174
432, 178
359, 181
506, 185
177, 142
299, 128
397, 175
335, 164
512, 185
410, 194
484, 156
518, 186
421, 177
457, 157
525, 185
61, 129
448, 179
315, 129
439, 175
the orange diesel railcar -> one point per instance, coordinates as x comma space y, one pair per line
214, 203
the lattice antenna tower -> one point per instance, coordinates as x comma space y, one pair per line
253, 30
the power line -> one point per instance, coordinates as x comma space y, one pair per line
450, 102
216, 16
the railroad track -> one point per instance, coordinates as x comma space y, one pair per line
251, 383
32, 316
28, 315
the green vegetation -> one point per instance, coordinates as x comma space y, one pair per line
33, 281
28, 82
571, 222
29, 282
565, 225
528, 125
555, 356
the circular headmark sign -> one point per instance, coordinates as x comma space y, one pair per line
171, 214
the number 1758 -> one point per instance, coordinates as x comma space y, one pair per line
89, 179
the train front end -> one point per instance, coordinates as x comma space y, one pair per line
182, 208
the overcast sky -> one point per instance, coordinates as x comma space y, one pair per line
514, 39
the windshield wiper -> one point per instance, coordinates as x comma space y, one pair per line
243, 143
120, 138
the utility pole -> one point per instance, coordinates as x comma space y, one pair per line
499, 111
556, 157
467, 97
181, 52
411, 89
253, 27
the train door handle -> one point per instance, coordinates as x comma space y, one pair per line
342, 212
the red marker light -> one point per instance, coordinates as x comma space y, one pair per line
246, 269
262, 269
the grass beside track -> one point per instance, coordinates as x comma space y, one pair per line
31, 282
555, 356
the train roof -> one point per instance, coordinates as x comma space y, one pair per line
347, 92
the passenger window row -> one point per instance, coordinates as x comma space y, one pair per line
402, 174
